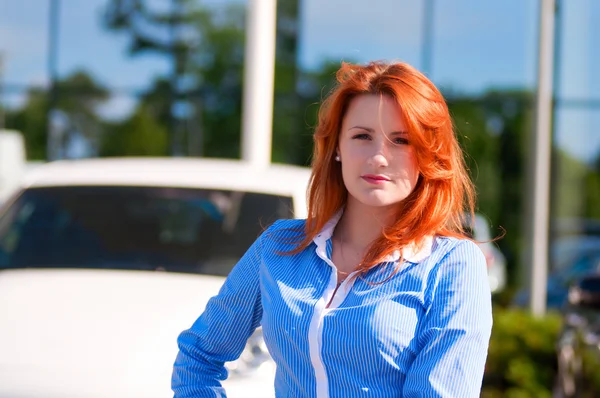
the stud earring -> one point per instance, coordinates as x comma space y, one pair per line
337, 157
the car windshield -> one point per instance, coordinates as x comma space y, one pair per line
591, 285
137, 228
589, 263
567, 250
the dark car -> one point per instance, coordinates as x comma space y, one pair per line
573, 258
578, 345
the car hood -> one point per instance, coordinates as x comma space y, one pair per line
94, 333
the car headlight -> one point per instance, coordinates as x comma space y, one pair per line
254, 357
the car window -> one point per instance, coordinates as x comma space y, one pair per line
591, 285
566, 250
140, 228
582, 266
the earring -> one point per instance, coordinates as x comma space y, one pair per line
337, 157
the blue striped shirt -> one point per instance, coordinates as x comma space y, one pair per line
424, 332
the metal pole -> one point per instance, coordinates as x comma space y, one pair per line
175, 125
555, 159
2, 91
259, 74
52, 144
427, 49
540, 151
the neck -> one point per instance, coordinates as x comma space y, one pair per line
360, 225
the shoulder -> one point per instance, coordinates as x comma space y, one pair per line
286, 223
286, 228
449, 249
284, 234
458, 265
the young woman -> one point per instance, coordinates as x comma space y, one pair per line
378, 293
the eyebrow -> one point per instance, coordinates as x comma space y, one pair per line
370, 130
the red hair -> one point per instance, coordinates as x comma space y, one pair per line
444, 192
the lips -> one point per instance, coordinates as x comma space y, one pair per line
375, 179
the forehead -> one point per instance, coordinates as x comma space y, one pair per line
374, 108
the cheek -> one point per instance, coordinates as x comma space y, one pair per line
351, 149
353, 156
407, 166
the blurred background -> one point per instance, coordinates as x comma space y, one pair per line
107, 78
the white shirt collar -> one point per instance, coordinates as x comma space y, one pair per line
412, 253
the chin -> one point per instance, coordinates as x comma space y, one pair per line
378, 200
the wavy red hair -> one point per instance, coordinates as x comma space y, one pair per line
444, 192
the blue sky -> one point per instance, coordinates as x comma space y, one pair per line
477, 45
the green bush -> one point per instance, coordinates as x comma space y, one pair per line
522, 355
590, 377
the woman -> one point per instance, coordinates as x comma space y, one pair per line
378, 293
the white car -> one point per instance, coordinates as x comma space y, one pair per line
104, 262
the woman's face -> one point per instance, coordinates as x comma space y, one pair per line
379, 167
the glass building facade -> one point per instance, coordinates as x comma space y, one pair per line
124, 78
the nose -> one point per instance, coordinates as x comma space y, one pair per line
381, 153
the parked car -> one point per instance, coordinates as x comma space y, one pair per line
578, 346
572, 257
104, 262
564, 227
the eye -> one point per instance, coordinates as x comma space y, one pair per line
361, 136
401, 141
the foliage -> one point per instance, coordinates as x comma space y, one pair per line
78, 96
577, 192
219, 73
592, 189
492, 129
140, 135
30, 120
590, 379
313, 87
521, 358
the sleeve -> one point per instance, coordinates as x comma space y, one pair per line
456, 329
220, 334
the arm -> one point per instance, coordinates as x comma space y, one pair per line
456, 329
220, 334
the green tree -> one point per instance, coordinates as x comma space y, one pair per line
200, 103
515, 109
592, 205
30, 120
140, 135
287, 113
576, 187
313, 87
493, 130
210, 61
592, 195
79, 96
218, 67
